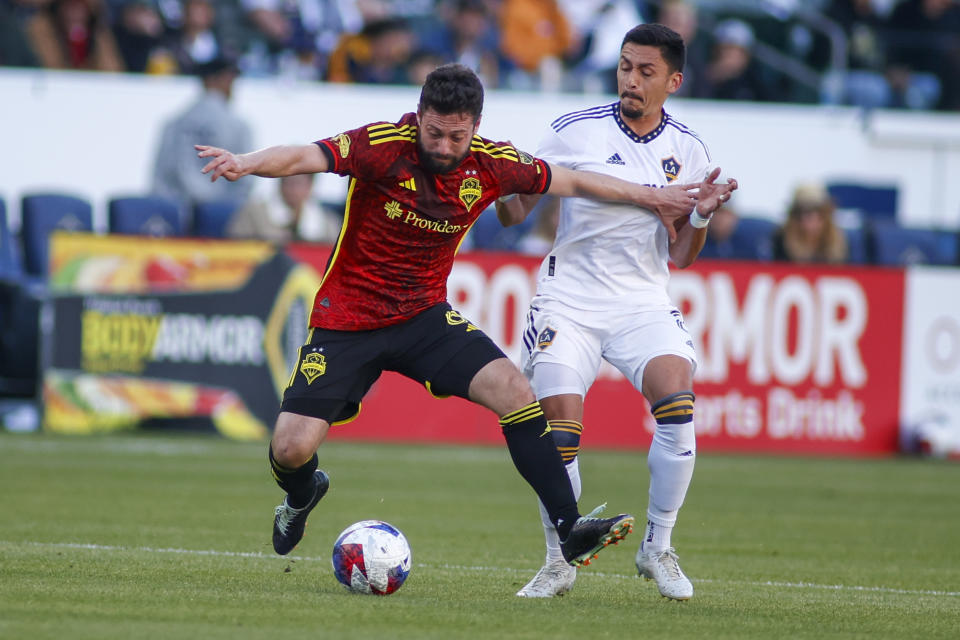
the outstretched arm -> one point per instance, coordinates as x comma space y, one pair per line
272, 162
668, 203
514, 209
689, 240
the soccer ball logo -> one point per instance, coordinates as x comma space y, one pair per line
371, 557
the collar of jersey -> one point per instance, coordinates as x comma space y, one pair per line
633, 136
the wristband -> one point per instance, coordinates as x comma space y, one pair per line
697, 221
507, 198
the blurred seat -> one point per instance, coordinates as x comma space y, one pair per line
144, 216
487, 234
896, 245
871, 90
752, 239
210, 219
870, 201
857, 246
20, 300
9, 258
41, 215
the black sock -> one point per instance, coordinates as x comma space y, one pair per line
298, 483
536, 457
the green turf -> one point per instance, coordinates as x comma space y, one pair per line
99, 538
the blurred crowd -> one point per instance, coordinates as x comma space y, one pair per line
870, 53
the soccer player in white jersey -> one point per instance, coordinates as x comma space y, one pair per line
602, 291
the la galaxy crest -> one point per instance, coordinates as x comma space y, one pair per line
546, 338
671, 168
313, 366
470, 191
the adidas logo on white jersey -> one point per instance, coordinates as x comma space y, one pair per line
615, 159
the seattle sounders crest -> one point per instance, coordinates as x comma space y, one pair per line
470, 191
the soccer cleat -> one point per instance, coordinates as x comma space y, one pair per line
554, 579
591, 534
289, 523
663, 567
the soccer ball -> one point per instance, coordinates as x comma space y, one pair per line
371, 556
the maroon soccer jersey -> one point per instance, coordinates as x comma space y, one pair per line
403, 225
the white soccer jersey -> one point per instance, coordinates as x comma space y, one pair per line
610, 255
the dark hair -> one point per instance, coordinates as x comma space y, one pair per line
380, 27
452, 88
666, 39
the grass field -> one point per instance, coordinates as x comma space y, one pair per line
145, 536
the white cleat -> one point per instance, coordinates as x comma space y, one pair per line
663, 568
554, 579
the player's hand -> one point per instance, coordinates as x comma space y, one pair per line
674, 202
223, 164
714, 194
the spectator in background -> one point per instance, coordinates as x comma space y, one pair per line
469, 36
681, 16
809, 234
732, 73
535, 37
373, 10
196, 43
421, 63
377, 55
75, 34
719, 241
539, 240
140, 31
924, 36
290, 213
863, 83
209, 119
597, 30
863, 25
297, 36
17, 18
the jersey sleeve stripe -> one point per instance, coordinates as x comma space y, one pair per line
327, 151
380, 133
594, 113
679, 126
491, 149
387, 126
548, 177
381, 140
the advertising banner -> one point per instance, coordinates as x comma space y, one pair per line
796, 360
153, 328
791, 360
931, 371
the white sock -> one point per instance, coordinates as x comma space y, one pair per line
549, 531
656, 537
671, 460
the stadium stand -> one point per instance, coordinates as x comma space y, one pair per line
19, 313
896, 245
41, 215
144, 216
9, 259
487, 234
869, 201
210, 219
857, 245
752, 239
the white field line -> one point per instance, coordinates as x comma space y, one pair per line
478, 568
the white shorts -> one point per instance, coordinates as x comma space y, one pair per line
578, 339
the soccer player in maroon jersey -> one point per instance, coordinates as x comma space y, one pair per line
416, 186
